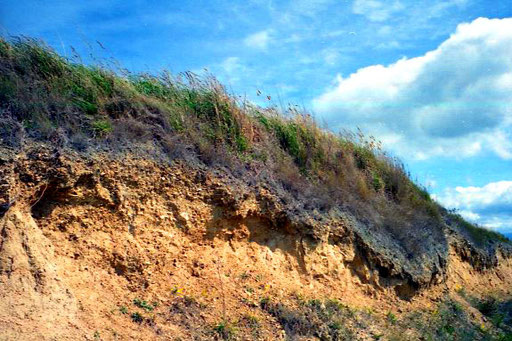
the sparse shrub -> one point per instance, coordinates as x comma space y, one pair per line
391, 318
102, 127
137, 317
457, 307
225, 330
323, 320
11, 132
377, 182
362, 189
315, 303
449, 329
504, 337
335, 305
189, 300
496, 311
498, 318
265, 302
460, 290
252, 321
143, 304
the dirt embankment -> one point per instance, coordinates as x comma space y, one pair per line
98, 248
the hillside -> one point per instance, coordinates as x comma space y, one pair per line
135, 206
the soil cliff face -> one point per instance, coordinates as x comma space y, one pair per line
104, 247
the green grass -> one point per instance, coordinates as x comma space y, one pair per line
479, 235
137, 317
102, 127
331, 320
225, 330
143, 304
391, 318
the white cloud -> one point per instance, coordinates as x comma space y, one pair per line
431, 183
330, 56
258, 40
294, 38
334, 34
310, 7
296, 9
380, 11
452, 101
230, 70
490, 205
479, 197
388, 45
231, 65
375, 10
384, 30
437, 9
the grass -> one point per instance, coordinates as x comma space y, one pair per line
331, 320
252, 320
499, 313
391, 318
478, 234
45, 96
143, 304
225, 330
325, 320
101, 127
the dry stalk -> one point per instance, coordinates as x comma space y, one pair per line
41, 196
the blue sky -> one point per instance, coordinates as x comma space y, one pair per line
431, 79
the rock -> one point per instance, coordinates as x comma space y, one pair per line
4, 207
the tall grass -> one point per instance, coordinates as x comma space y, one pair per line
44, 96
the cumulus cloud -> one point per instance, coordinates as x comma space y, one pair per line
452, 101
258, 40
490, 205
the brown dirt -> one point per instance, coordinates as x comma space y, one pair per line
89, 237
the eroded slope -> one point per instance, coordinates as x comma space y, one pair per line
117, 248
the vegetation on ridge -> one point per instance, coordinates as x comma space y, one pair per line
46, 97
